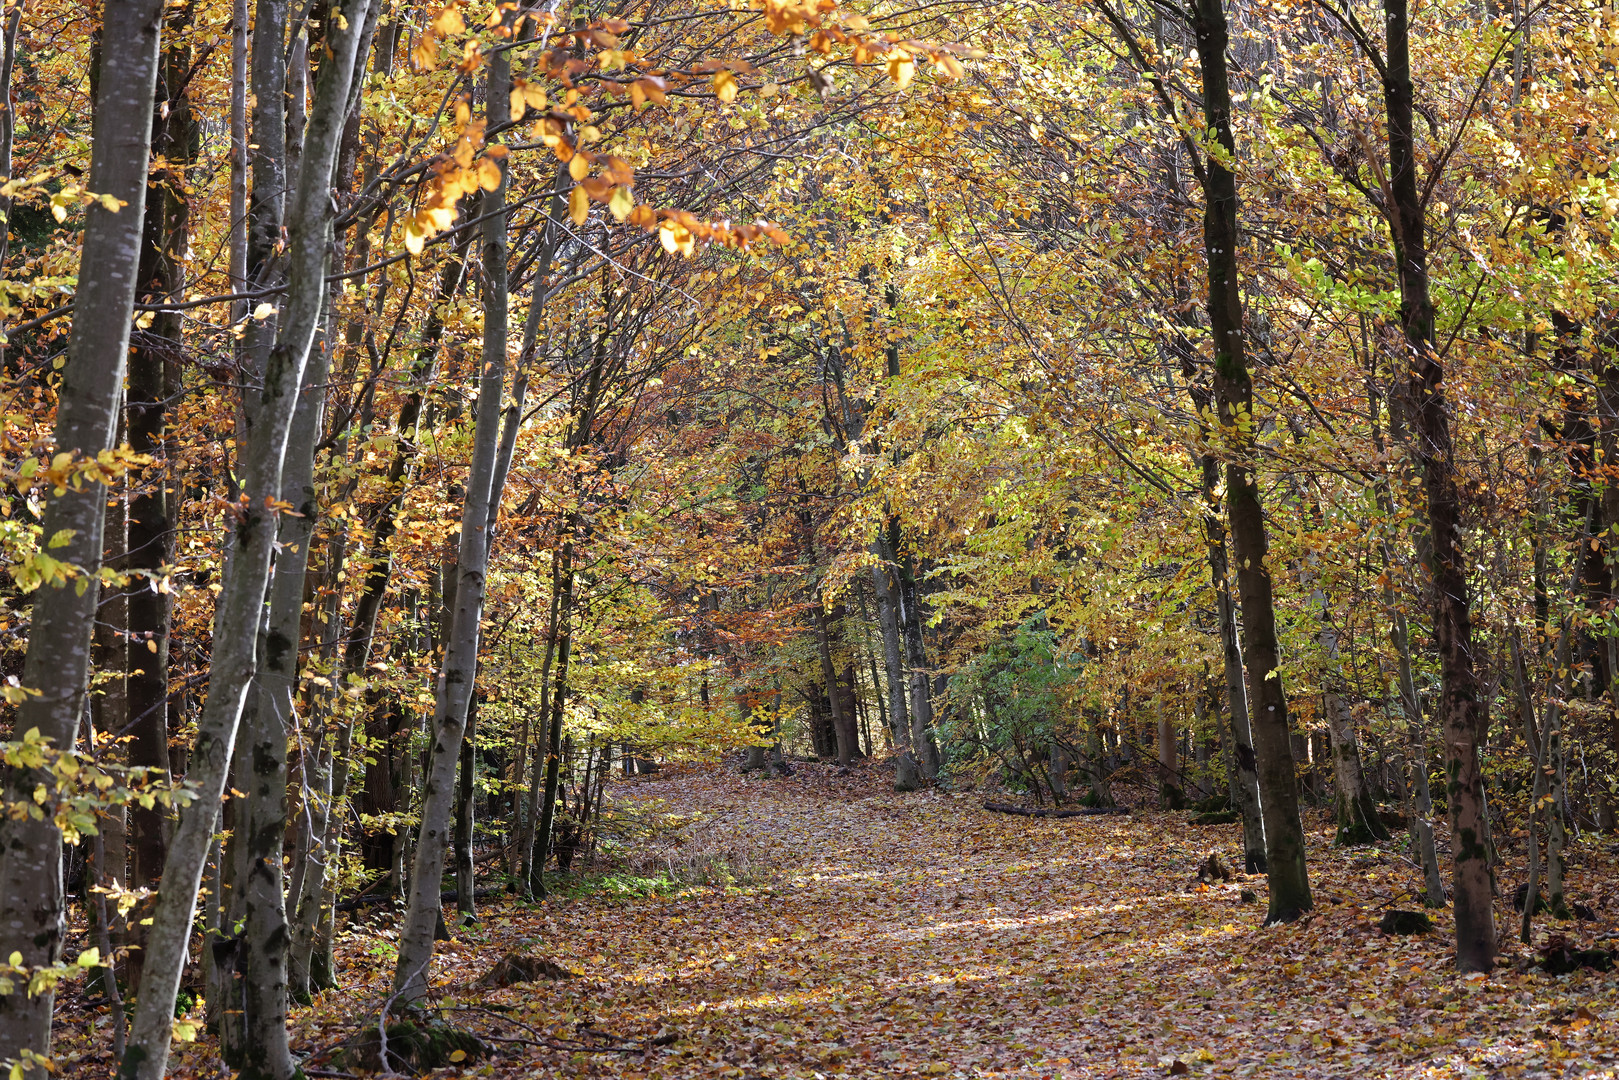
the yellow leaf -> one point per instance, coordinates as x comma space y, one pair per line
621, 202
675, 237
578, 205
458, 1055
725, 86
935, 1068
488, 174
519, 102
263, 311
579, 168
449, 21
901, 69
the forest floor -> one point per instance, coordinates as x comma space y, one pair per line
853, 931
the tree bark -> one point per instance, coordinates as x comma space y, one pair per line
459, 670
1170, 795
1430, 425
9, 27
1354, 807
843, 726
906, 774
1233, 392
251, 537
109, 714
57, 664
466, 792
562, 587
333, 766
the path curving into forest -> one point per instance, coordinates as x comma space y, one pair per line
919, 935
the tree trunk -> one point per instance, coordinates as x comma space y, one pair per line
906, 775
9, 27
842, 726
1170, 795
109, 713
527, 844
1537, 765
562, 587
459, 670
57, 665
250, 539
1430, 424
261, 759
466, 793
154, 383
1245, 765
1420, 807
1551, 745
1355, 809
1233, 392
923, 742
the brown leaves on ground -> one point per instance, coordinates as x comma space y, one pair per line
918, 935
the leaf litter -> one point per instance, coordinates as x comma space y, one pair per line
878, 934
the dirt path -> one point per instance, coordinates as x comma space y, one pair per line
920, 935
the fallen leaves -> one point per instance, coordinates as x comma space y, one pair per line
916, 935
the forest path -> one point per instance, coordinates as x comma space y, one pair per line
920, 935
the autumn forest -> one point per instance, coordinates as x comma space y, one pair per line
788, 538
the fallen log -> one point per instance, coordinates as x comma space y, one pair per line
1040, 811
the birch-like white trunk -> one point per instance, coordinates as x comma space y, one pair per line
57, 665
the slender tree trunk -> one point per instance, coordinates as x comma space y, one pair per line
1245, 775
1101, 791
8, 120
459, 671
527, 841
1430, 424
562, 587
9, 27
1422, 834
315, 895
466, 793
57, 664
1355, 809
1245, 761
154, 385
261, 755
215, 918
1233, 392
907, 775
1420, 809
1537, 762
250, 539
1551, 744
109, 712
923, 742
1170, 795
842, 726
